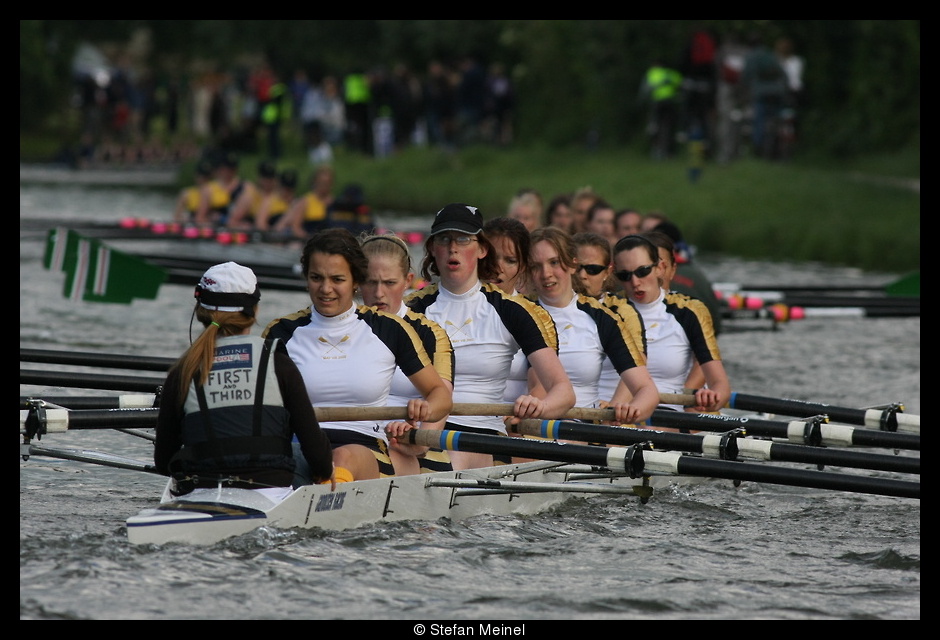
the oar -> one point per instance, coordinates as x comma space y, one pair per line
90, 359
758, 299
727, 446
90, 380
126, 401
39, 418
268, 283
44, 420
780, 312
330, 414
284, 271
891, 419
906, 285
815, 431
635, 461
94, 457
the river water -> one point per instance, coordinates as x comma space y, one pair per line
712, 551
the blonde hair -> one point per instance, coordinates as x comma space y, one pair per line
394, 247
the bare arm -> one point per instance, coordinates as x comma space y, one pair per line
287, 221
437, 398
696, 379
398, 428
239, 213
636, 396
202, 211
718, 392
553, 394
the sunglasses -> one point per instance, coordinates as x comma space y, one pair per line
592, 269
444, 240
639, 272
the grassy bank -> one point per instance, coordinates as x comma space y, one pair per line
849, 213
861, 213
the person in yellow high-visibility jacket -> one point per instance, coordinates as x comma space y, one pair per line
661, 89
273, 112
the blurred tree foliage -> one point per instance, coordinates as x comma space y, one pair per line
576, 80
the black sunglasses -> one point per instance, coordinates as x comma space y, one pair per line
592, 269
639, 272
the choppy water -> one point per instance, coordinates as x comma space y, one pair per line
710, 552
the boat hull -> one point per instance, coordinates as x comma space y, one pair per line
522, 489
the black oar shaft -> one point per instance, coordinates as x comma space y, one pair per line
90, 380
690, 465
638, 462
888, 419
139, 401
41, 420
519, 447
724, 447
622, 435
785, 406
837, 435
94, 457
90, 359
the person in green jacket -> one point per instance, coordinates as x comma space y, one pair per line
661, 90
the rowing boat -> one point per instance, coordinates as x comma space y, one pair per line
632, 462
207, 516
123, 176
559, 471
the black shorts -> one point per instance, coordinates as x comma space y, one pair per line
340, 437
435, 460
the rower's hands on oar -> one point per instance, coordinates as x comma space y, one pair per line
707, 400
419, 410
396, 432
525, 407
624, 413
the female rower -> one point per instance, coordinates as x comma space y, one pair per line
679, 328
278, 203
219, 194
589, 332
558, 212
487, 328
243, 213
310, 212
348, 354
526, 207
233, 402
510, 240
595, 270
390, 276
595, 267
187, 202
667, 256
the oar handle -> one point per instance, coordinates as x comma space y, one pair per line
60, 419
335, 414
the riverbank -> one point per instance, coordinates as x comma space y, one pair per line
835, 213
861, 212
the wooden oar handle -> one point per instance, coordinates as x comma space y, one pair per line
333, 414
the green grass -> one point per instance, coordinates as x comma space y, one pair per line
836, 213
858, 212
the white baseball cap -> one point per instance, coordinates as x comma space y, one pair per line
228, 287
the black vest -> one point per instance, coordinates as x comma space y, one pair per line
237, 421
